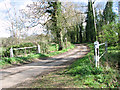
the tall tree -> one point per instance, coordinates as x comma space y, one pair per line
90, 28
54, 9
119, 10
119, 23
99, 23
80, 33
108, 14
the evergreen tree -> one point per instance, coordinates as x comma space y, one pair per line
99, 23
90, 28
108, 14
119, 23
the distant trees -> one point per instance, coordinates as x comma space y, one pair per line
90, 27
62, 20
35, 17
109, 29
108, 14
15, 27
74, 21
99, 23
65, 22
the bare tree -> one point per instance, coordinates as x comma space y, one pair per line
17, 23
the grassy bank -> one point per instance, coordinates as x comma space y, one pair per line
83, 73
6, 62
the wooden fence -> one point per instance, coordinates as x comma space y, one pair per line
12, 54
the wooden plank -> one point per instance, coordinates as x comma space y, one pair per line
102, 54
101, 44
24, 48
11, 52
38, 48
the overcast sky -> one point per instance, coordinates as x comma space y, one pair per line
6, 5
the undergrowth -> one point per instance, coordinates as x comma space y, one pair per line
107, 75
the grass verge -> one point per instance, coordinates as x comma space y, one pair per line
83, 73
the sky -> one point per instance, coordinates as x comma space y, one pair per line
7, 5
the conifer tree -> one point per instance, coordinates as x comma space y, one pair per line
119, 24
108, 14
90, 28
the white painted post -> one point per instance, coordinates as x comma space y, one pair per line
96, 53
38, 48
11, 52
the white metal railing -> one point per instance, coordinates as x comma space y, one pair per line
12, 54
96, 52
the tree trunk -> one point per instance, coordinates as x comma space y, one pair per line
61, 43
77, 27
81, 28
119, 39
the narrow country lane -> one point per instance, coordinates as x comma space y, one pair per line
15, 75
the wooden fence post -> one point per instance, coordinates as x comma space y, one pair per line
106, 46
66, 42
38, 48
11, 52
25, 52
96, 53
